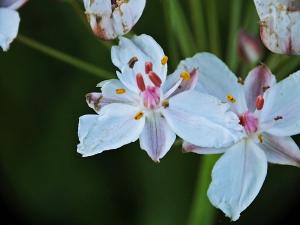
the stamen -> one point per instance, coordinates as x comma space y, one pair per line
139, 115
140, 82
259, 102
164, 60
185, 75
265, 88
148, 67
231, 99
155, 79
132, 62
165, 104
260, 138
120, 91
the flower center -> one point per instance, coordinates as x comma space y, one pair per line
249, 122
150, 94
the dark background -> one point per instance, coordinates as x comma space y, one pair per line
42, 178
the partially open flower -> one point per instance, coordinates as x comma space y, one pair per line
9, 21
249, 47
112, 18
280, 25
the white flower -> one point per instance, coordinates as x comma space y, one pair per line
112, 18
269, 113
280, 25
144, 104
9, 21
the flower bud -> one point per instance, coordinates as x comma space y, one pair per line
249, 47
112, 18
280, 25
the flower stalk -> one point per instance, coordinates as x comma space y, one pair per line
63, 57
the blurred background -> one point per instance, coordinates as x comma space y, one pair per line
43, 180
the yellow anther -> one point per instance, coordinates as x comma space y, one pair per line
231, 99
164, 60
139, 115
260, 138
185, 75
120, 91
165, 103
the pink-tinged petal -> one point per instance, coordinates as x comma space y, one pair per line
110, 19
117, 125
157, 137
280, 115
237, 178
112, 91
12, 4
132, 57
280, 25
281, 150
217, 80
175, 84
257, 82
188, 147
249, 47
202, 120
9, 26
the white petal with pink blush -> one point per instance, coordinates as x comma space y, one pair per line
157, 107
269, 113
112, 18
280, 25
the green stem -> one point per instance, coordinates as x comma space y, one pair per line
213, 27
180, 28
202, 212
232, 58
197, 15
90, 68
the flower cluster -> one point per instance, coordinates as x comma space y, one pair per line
202, 102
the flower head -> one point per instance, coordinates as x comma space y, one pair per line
280, 25
269, 113
112, 18
147, 105
9, 21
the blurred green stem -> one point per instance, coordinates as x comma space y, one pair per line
235, 15
78, 63
202, 212
213, 27
197, 15
179, 25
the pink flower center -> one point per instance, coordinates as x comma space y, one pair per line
151, 97
249, 122
150, 94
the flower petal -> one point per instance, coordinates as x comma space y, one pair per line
216, 79
12, 4
280, 25
202, 120
114, 127
157, 137
257, 82
237, 178
109, 20
280, 115
281, 150
112, 91
130, 56
9, 26
188, 147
